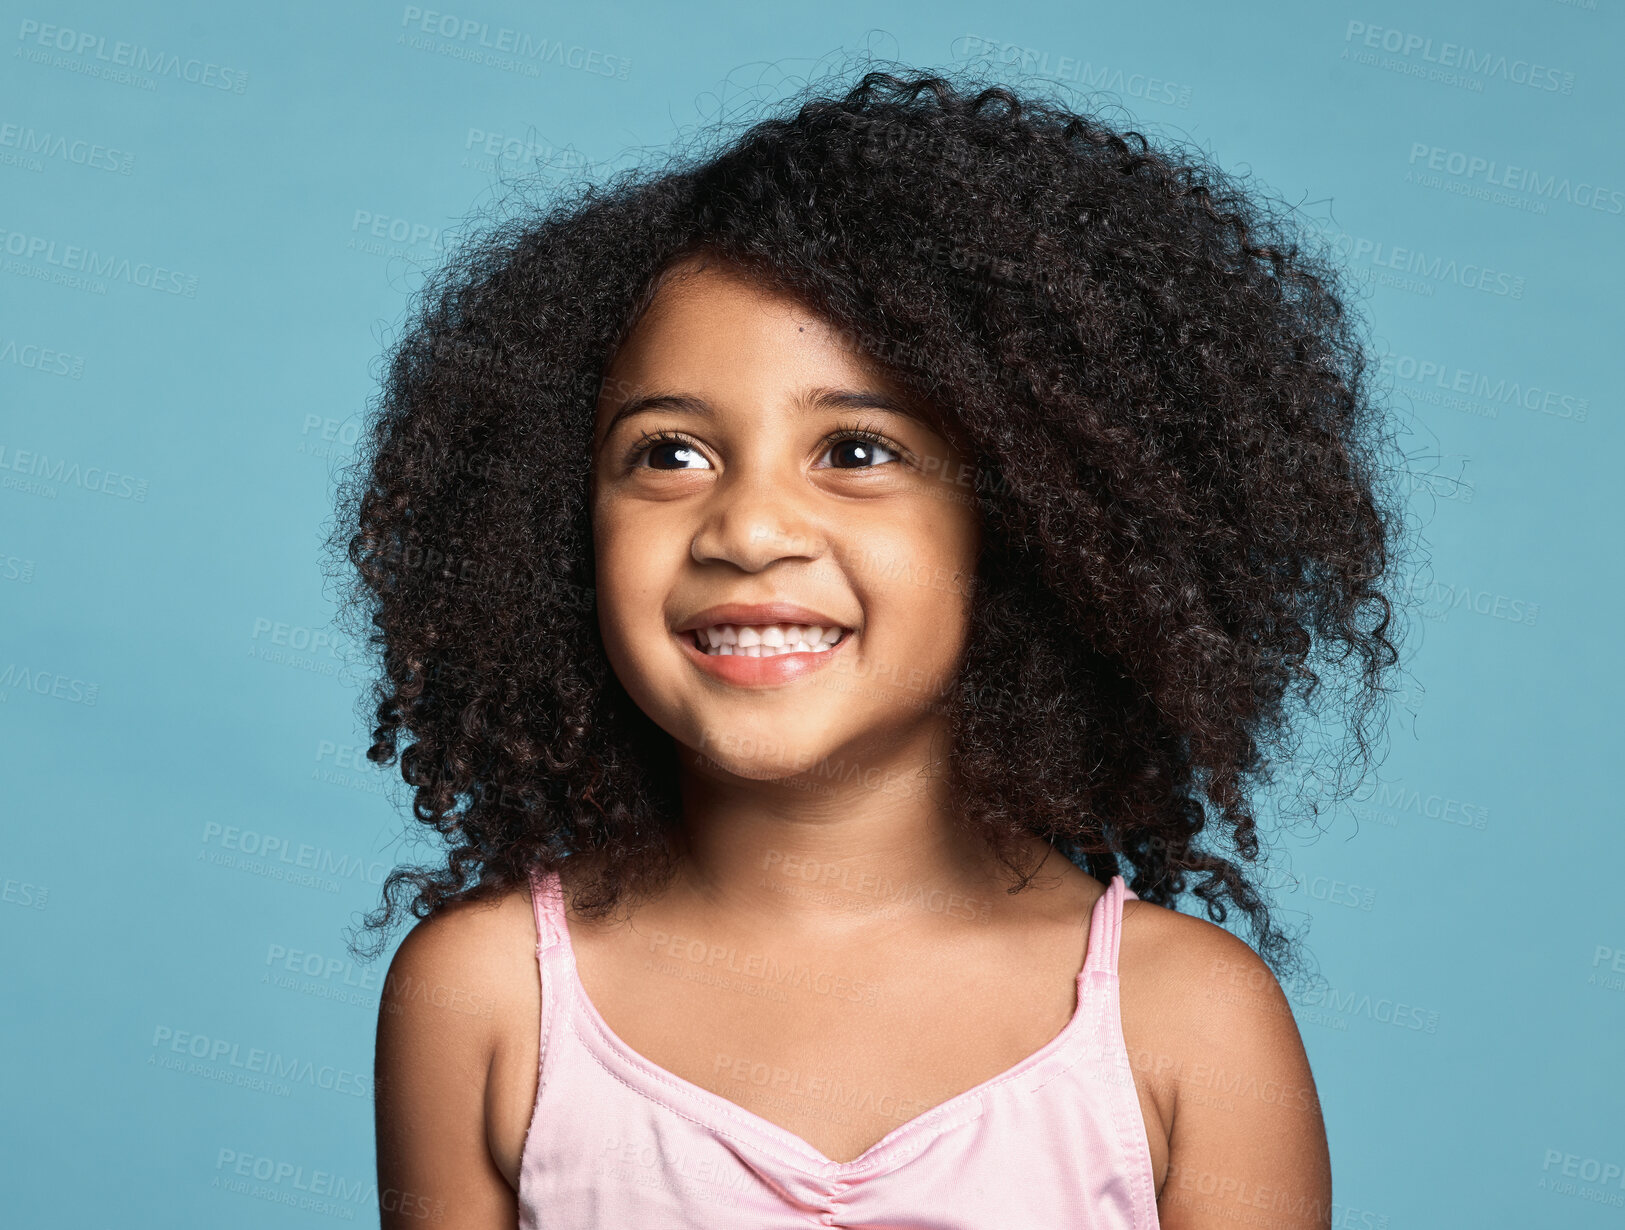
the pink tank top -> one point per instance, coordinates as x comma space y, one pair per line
616, 1142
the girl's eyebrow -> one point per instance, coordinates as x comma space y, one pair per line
815, 399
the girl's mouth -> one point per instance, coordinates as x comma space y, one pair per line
765, 640
762, 655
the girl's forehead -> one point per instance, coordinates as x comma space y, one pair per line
689, 295
717, 325
711, 324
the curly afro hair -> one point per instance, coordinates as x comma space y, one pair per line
1177, 453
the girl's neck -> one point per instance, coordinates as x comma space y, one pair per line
836, 861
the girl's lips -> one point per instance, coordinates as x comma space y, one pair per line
748, 672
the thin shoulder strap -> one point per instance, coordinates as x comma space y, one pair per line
1106, 926
545, 903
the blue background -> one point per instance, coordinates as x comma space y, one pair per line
178, 717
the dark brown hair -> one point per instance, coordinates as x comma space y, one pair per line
1177, 471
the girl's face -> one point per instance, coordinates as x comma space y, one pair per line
757, 482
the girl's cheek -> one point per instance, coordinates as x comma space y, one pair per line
621, 538
622, 572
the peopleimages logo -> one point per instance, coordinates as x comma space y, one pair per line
1509, 175
1037, 61
396, 230
70, 474
73, 258
47, 683
1494, 390
31, 144
1416, 269
133, 56
479, 42
1446, 55
226, 1059
42, 359
502, 148
314, 1190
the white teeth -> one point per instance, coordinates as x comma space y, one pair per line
765, 640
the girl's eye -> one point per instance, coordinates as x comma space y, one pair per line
863, 449
849, 449
667, 448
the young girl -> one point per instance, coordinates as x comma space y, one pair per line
812, 585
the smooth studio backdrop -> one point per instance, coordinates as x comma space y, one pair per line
212, 219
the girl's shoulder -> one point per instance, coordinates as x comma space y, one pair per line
467, 957
1187, 970
460, 990
1210, 1033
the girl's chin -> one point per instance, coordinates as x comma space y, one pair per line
749, 753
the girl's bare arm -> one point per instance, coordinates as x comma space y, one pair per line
434, 1052
1247, 1145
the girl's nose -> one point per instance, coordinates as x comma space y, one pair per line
753, 519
